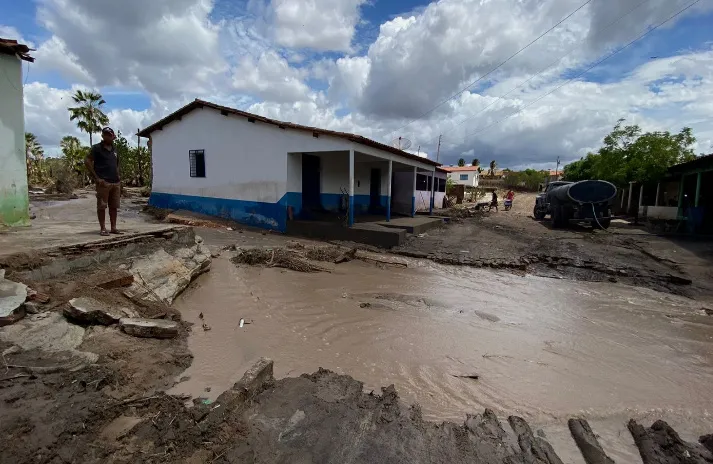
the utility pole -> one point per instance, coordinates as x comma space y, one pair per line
438, 151
557, 171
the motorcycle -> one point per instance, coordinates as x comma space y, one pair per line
508, 204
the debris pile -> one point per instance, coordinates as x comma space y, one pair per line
277, 257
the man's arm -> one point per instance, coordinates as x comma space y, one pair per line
89, 163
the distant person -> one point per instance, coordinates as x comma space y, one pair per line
510, 195
494, 201
102, 163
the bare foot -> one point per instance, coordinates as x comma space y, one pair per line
104, 233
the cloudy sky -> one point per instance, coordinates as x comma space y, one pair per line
381, 68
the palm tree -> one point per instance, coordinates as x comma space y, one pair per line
491, 171
461, 162
89, 114
476, 162
34, 154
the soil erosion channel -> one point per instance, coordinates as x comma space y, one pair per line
546, 348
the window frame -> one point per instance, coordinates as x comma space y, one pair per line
463, 177
193, 164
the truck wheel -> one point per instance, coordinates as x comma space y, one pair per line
556, 216
537, 214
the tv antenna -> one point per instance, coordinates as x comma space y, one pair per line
402, 143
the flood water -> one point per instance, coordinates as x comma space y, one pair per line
544, 349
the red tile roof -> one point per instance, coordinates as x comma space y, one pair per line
12, 47
196, 104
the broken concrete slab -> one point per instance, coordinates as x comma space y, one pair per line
587, 442
12, 300
91, 311
48, 331
149, 328
162, 276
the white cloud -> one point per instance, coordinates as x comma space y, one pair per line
270, 77
316, 24
167, 47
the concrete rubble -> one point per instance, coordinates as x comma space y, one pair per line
91, 311
12, 300
162, 276
149, 328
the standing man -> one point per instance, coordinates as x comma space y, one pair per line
103, 164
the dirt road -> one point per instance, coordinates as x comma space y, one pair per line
624, 253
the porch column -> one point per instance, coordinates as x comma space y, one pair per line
658, 191
388, 192
351, 186
680, 195
631, 191
433, 191
698, 188
413, 193
641, 195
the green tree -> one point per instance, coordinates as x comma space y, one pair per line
493, 166
134, 162
629, 155
476, 162
461, 162
34, 154
89, 113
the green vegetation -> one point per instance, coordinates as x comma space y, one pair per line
461, 162
493, 167
476, 162
65, 173
630, 155
529, 179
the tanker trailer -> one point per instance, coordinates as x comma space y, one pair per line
583, 201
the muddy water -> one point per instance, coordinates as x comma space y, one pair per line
544, 349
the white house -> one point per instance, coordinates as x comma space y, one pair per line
465, 175
14, 201
226, 162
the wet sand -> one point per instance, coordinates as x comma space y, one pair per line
545, 349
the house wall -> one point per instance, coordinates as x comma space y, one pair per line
14, 200
423, 197
473, 177
246, 167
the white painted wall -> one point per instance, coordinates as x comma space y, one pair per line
244, 161
423, 197
473, 177
335, 173
14, 202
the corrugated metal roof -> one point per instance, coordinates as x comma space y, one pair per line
12, 47
701, 162
196, 104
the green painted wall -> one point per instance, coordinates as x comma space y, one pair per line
14, 201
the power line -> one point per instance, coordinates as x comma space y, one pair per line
494, 69
588, 69
543, 69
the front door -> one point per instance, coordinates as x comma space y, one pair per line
311, 182
375, 190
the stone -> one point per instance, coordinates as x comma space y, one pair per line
149, 328
91, 311
33, 307
162, 276
12, 300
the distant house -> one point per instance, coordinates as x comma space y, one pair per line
464, 175
14, 200
226, 162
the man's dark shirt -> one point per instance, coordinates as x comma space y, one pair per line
105, 163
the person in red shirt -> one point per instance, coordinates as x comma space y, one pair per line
510, 195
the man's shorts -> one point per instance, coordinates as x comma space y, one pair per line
108, 195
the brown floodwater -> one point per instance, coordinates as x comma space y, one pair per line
544, 349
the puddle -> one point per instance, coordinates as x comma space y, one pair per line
542, 348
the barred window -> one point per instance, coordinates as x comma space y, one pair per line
197, 161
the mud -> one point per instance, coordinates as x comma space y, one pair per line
628, 254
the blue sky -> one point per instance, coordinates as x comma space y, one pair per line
372, 67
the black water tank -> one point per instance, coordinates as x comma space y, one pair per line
585, 191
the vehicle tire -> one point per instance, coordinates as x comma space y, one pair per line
537, 214
556, 216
